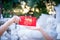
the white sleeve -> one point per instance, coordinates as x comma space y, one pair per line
52, 33
41, 22
51, 27
58, 30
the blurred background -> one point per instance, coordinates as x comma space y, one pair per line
9, 8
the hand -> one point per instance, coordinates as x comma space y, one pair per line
15, 19
5, 26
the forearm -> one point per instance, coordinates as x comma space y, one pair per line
46, 36
4, 27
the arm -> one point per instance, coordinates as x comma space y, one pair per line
4, 27
46, 36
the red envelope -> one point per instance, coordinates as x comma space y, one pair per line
27, 21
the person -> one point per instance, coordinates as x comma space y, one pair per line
46, 28
4, 27
15, 19
58, 20
46, 36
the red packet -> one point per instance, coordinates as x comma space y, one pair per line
27, 21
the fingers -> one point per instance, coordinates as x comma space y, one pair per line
16, 19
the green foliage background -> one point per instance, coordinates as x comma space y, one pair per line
11, 4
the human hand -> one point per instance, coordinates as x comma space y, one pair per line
15, 19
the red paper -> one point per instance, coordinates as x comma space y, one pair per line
27, 21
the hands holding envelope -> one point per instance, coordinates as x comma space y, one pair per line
16, 19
